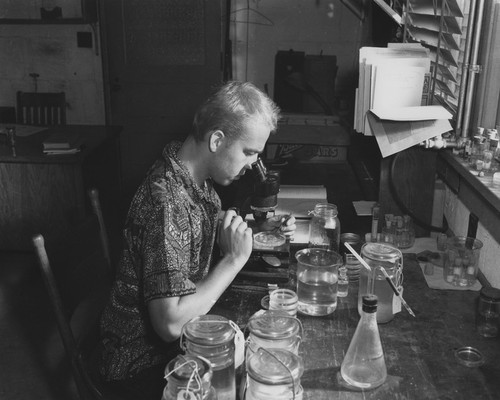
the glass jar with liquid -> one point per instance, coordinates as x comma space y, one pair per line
212, 337
378, 256
274, 374
324, 227
189, 377
273, 329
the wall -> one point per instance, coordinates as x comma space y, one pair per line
457, 216
51, 51
313, 27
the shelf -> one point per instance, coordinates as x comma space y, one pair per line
63, 21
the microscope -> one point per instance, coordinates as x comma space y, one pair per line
272, 247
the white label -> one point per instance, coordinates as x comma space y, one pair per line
396, 301
239, 346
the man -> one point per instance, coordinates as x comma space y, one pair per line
165, 277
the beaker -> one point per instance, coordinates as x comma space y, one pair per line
317, 277
461, 260
377, 256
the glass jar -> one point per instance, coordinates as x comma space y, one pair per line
273, 329
324, 227
488, 312
274, 374
212, 337
377, 256
189, 377
285, 300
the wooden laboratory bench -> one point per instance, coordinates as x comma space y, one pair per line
42, 193
419, 352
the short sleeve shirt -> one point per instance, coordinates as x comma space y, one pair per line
169, 236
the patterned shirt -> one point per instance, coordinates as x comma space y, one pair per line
169, 236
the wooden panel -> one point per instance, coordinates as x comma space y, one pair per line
43, 194
449, 175
37, 198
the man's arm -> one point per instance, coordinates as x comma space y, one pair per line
168, 315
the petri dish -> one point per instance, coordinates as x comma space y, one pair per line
469, 356
269, 239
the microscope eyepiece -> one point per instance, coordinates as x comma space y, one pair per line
260, 170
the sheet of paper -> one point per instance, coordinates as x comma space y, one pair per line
420, 113
395, 136
363, 207
395, 86
301, 235
299, 200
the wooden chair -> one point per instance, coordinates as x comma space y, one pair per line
78, 277
41, 108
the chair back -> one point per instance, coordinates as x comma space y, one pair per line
78, 276
41, 108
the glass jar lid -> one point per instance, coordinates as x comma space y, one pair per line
325, 209
208, 330
275, 367
274, 324
381, 252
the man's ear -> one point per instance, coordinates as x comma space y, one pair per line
216, 140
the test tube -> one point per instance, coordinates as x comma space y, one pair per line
375, 218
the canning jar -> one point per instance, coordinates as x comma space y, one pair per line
324, 227
212, 337
274, 374
189, 377
273, 329
378, 256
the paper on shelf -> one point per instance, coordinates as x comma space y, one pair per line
420, 113
395, 136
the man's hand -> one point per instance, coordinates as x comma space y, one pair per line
235, 237
284, 224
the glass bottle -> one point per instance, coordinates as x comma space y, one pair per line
364, 365
212, 337
488, 312
189, 377
324, 228
343, 283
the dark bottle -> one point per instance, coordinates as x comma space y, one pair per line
364, 364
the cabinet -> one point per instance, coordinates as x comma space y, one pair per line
44, 194
49, 12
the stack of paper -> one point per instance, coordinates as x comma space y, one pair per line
62, 143
391, 99
389, 78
